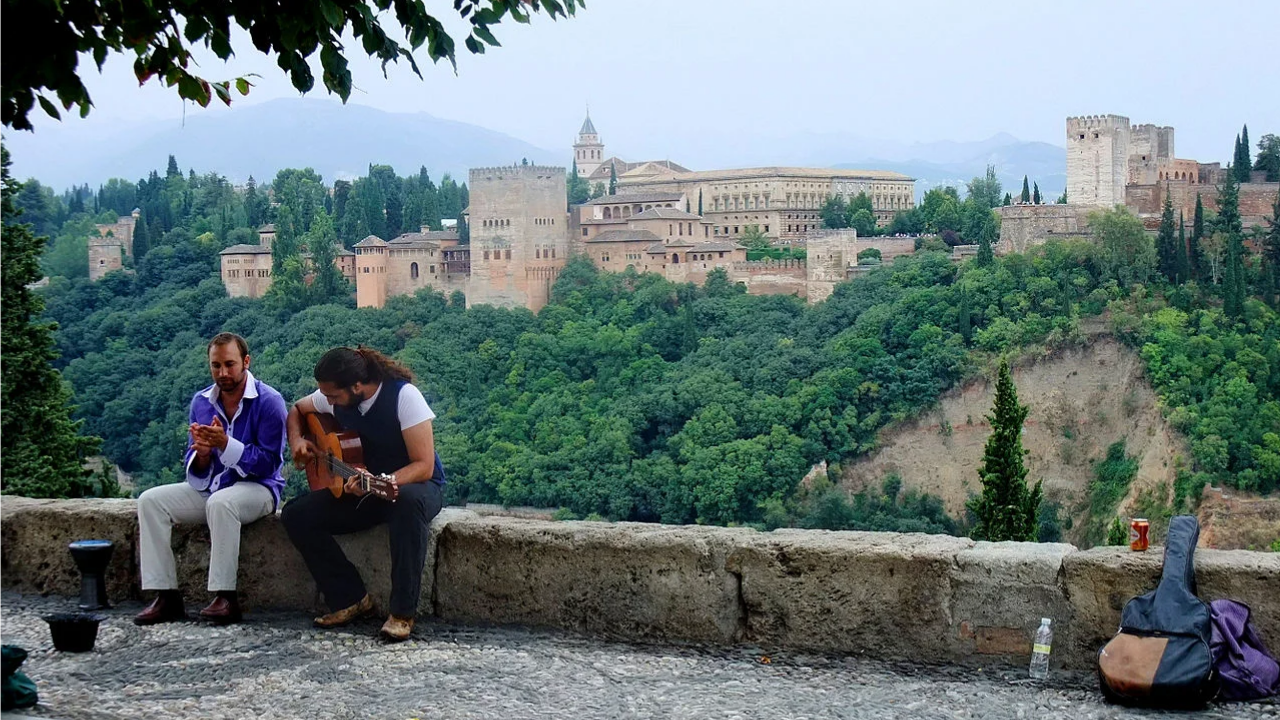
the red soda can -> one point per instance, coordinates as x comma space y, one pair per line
1138, 529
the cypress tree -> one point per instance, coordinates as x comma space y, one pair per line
1194, 254
42, 449
699, 201
1184, 260
964, 317
1006, 509
1026, 190
1035, 194
1242, 161
1233, 290
1008, 200
141, 238
1166, 248
986, 257
613, 179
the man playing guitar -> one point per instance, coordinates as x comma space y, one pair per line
368, 393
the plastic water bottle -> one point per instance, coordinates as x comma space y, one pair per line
1040, 650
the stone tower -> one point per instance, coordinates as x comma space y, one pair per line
588, 152
106, 253
371, 272
830, 253
519, 234
1098, 160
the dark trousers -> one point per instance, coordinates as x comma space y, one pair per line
313, 519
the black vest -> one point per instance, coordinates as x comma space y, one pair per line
380, 433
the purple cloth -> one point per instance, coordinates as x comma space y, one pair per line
1246, 669
255, 444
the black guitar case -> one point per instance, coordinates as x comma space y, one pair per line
1161, 656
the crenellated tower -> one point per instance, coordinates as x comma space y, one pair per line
1098, 159
519, 234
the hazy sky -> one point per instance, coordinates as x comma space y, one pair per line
747, 70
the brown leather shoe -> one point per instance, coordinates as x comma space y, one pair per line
396, 628
346, 614
167, 607
223, 611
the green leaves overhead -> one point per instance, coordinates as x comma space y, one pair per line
162, 35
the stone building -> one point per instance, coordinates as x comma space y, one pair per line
651, 233
595, 167
246, 269
409, 263
783, 202
1111, 162
519, 234
114, 241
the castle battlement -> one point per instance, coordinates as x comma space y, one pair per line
506, 172
1095, 122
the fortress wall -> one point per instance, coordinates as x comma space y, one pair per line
914, 597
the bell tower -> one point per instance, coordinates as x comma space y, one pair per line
588, 152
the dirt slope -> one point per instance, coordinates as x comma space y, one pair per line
1081, 400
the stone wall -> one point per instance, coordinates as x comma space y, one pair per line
913, 597
1024, 226
1147, 201
519, 235
770, 277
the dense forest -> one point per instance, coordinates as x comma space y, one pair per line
630, 397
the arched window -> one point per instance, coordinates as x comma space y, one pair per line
675, 258
608, 214
413, 270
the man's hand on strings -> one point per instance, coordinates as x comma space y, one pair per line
303, 451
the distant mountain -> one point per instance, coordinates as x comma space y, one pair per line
337, 141
1041, 162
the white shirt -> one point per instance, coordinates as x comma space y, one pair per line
411, 408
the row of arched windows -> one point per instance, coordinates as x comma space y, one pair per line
497, 223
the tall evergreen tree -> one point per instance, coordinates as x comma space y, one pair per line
1008, 200
613, 179
141, 238
1195, 252
328, 284
254, 204
42, 449
172, 170
1243, 160
1184, 259
1166, 243
1233, 285
1007, 508
1271, 251
700, 201
1026, 190
286, 243
986, 241
1035, 194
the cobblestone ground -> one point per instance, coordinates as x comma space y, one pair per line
276, 665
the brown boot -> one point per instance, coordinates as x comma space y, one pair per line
167, 607
396, 628
224, 610
345, 615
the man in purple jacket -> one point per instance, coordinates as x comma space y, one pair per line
236, 449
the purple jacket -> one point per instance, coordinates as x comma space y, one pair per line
256, 439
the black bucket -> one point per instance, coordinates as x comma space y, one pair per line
73, 632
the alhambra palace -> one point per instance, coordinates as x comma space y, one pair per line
684, 224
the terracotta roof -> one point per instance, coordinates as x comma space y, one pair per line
633, 198
246, 250
665, 213
269, 227
371, 241
624, 236
799, 172
695, 247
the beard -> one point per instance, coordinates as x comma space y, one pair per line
229, 384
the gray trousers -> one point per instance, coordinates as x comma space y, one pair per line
225, 511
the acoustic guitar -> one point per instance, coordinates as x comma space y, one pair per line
339, 456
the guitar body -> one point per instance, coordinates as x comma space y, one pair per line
339, 456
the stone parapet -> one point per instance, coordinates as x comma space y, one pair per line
915, 597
